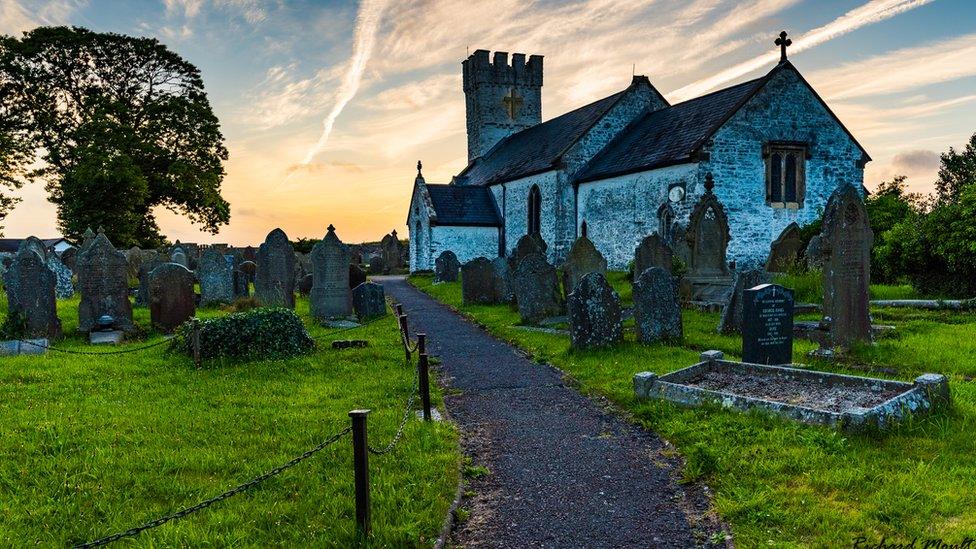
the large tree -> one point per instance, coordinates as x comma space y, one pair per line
122, 125
958, 170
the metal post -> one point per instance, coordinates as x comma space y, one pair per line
195, 324
360, 460
424, 383
421, 343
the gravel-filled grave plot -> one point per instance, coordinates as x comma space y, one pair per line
835, 398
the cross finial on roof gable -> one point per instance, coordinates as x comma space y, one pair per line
420, 167
783, 42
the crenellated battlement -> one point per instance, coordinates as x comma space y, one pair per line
480, 69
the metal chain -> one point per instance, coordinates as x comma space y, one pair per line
95, 353
207, 503
403, 422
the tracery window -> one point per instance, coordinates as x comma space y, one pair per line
785, 174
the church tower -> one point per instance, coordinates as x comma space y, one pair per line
500, 98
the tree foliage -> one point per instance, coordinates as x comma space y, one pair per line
123, 125
957, 171
890, 205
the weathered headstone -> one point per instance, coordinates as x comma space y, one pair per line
64, 287
104, 286
179, 257
150, 260
303, 267
134, 257
504, 280
70, 258
708, 236
652, 252
392, 252
479, 283
30, 287
356, 275
330, 296
846, 240
536, 289
594, 313
767, 326
304, 286
583, 258
657, 313
171, 299
785, 250
731, 320
274, 283
376, 265
86, 239
242, 280
446, 267
527, 244
369, 301
250, 270
216, 276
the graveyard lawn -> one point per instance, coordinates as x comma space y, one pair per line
783, 484
90, 446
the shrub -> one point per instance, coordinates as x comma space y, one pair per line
14, 326
258, 333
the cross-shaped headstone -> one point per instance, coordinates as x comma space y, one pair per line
783, 42
512, 103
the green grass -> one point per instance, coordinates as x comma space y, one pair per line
784, 484
93, 445
808, 288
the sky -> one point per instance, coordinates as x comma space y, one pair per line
326, 106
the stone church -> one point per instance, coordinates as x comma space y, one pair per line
630, 165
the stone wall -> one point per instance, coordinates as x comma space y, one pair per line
467, 243
512, 199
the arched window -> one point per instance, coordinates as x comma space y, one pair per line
535, 210
789, 181
785, 174
583, 230
776, 188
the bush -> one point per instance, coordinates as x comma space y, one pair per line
14, 326
258, 333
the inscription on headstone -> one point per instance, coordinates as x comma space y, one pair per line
330, 295
846, 240
104, 285
274, 283
767, 325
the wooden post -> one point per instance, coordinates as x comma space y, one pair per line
424, 383
360, 460
404, 335
421, 343
195, 341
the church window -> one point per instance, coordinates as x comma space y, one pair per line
535, 210
785, 174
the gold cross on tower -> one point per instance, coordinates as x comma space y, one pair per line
783, 42
512, 103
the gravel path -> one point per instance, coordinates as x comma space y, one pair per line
564, 472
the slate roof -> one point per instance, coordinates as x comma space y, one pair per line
536, 149
11, 245
464, 205
670, 135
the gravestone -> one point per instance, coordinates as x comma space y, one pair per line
369, 301
845, 240
303, 267
536, 289
242, 280
392, 252
376, 266
657, 313
356, 275
446, 267
479, 283
216, 276
330, 295
250, 270
731, 320
179, 257
70, 258
64, 288
37, 245
528, 244
86, 239
150, 260
304, 286
104, 285
767, 325
357, 256
274, 282
707, 237
503, 280
30, 287
785, 250
583, 258
594, 313
652, 252
171, 299
134, 257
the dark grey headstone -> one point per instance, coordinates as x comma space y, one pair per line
70, 258
179, 257
846, 240
304, 287
242, 280
356, 275
503, 280
392, 253
767, 326
216, 276
479, 283
708, 237
250, 270
652, 252
134, 256
64, 288
731, 320
583, 258
785, 250
369, 301
171, 299
376, 265
593, 309
330, 295
657, 313
527, 244
104, 285
150, 260
536, 289
446, 267
274, 283
30, 287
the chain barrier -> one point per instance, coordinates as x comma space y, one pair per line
95, 353
403, 422
207, 503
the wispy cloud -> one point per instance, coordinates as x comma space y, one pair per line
17, 16
869, 13
367, 25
